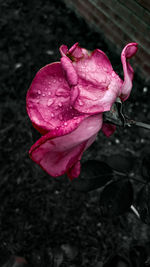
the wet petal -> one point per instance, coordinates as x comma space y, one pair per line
129, 51
48, 99
98, 84
59, 151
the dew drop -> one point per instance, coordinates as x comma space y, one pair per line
52, 115
61, 117
65, 123
43, 94
62, 92
80, 102
113, 74
60, 104
49, 93
39, 92
30, 105
50, 102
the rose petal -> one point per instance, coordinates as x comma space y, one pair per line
74, 172
98, 84
76, 52
48, 99
59, 150
108, 129
63, 50
128, 52
70, 71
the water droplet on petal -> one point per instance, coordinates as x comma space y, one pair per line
113, 74
50, 102
30, 105
62, 92
43, 94
80, 102
39, 92
60, 104
52, 115
60, 117
49, 93
65, 123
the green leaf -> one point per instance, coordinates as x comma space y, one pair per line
143, 203
116, 198
94, 174
121, 163
145, 170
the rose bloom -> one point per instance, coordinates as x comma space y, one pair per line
65, 103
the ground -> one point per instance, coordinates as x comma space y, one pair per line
44, 219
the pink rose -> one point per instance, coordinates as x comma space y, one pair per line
65, 103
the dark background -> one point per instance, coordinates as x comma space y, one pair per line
42, 218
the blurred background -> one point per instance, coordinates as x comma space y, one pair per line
43, 219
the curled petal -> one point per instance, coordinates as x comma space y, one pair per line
70, 71
59, 151
76, 52
128, 51
63, 50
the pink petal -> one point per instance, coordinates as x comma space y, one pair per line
48, 99
74, 172
108, 129
75, 53
128, 51
70, 71
59, 151
63, 50
98, 84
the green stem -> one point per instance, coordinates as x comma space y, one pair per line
137, 123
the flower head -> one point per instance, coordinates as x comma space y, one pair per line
65, 103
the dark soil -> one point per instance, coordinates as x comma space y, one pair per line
44, 219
